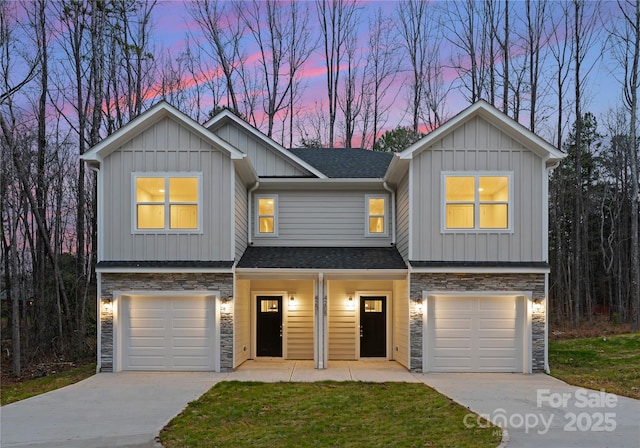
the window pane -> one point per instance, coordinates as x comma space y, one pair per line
376, 206
494, 188
493, 216
149, 189
459, 216
376, 224
150, 216
460, 188
266, 224
268, 306
266, 206
373, 306
183, 189
184, 216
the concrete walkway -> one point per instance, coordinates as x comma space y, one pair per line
129, 409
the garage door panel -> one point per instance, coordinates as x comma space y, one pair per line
487, 337
168, 333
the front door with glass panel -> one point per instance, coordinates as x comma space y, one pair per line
269, 326
373, 327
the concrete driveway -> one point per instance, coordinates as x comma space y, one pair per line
105, 410
129, 409
541, 411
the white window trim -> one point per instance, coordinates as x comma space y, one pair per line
367, 197
256, 224
166, 175
476, 174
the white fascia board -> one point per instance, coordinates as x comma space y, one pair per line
228, 115
150, 270
478, 270
325, 184
292, 273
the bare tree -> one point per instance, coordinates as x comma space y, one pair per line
380, 71
337, 18
223, 37
627, 52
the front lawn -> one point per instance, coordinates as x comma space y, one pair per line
345, 414
611, 363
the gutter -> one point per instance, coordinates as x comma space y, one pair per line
393, 211
249, 214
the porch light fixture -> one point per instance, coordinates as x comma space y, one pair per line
107, 306
419, 304
537, 304
292, 302
225, 305
350, 302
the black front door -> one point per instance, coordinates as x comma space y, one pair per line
373, 327
269, 326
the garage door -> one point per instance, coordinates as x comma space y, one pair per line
475, 334
167, 333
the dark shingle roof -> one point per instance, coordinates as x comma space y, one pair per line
346, 162
322, 258
165, 264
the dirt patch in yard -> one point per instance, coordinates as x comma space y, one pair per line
597, 326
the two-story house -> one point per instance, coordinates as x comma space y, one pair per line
217, 245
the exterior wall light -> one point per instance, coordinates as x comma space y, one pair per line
107, 306
351, 305
419, 304
292, 302
225, 305
537, 305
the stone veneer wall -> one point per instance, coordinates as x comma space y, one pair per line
197, 282
534, 283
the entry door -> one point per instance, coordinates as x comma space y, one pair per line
373, 327
269, 326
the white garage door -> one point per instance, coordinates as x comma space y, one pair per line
475, 334
167, 333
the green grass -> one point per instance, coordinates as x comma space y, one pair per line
25, 389
610, 363
345, 414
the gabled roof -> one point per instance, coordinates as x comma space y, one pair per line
346, 162
226, 116
359, 258
503, 122
147, 119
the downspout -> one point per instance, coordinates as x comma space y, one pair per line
393, 211
547, 370
249, 214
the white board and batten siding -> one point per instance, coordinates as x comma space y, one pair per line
477, 146
322, 218
168, 146
267, 161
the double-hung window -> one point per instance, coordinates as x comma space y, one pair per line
477, 201
166, 202
267, 215
376, 215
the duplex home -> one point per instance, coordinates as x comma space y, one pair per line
217, 245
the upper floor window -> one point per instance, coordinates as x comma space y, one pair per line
376, 211
267, 216
477, 201
166, 202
